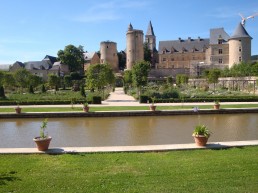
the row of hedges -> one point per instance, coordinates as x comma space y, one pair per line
94, 100
146, 99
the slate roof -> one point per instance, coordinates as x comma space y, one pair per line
37, 65
150, 31
240, 32
52, 59
189, 45
218, 33
88, 55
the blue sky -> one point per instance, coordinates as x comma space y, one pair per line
31, 29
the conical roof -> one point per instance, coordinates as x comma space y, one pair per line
240, 32
150, 31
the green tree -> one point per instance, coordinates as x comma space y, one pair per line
140, 72
8, 80
73, 57
128, 78
1, 77
22, 77
98, 76
31, 90
2, 94
68, 80
53, 81
43, 88
35, 80
181, 79
213, 76
83, 91
147, 53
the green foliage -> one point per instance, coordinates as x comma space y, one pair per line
31, 90
22, 77
96, 100
201, 130
35, 80
147, 53
140, 73
143, 99
98, 76
83, 91
75, 76
169, 80
128, 77
43, 88
53, 80
2, 94
68, 80
73, 57
181, 79
213, 75
43, 127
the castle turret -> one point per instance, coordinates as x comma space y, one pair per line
108, 54
150, 37
239, 46
134, 46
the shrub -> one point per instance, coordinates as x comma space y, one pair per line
96, 100
143, 99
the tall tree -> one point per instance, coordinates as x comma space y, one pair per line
147, 53
73, 57
53, 81
22, 77
99, 75
213, 76
128, 78
140, 73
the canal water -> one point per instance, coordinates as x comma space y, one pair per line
127, 131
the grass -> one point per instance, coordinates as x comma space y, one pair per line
121, 108
233, 170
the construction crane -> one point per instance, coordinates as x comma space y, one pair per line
243, 21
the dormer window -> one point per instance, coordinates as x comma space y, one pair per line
220, 41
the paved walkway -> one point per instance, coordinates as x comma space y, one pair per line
147, 148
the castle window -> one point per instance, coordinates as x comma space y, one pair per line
220, 41
220, 51
172, 59
240, 49
240, 59
220, 61
164, 59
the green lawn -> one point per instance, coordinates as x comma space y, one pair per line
122, 108
233, 170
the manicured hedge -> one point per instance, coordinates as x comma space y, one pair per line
202, 99
96, 100
42, 102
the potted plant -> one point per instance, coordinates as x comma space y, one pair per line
86, 107
18, 108
216, 105
43, 140
201, 135
152, 106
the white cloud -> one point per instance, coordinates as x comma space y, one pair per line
109, 11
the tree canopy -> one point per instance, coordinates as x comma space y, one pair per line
99, 75
73, 57
140, 73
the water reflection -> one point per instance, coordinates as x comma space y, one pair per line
109, 131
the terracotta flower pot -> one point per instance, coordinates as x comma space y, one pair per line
152, 107
216, 106
86, 109
200, 140
42, 144
18, 110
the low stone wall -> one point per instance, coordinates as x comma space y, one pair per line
126, 113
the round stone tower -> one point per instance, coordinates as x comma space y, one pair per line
134, 46
108, 54
239, 46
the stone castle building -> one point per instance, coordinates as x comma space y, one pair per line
190, 56
134, 46
108, 54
